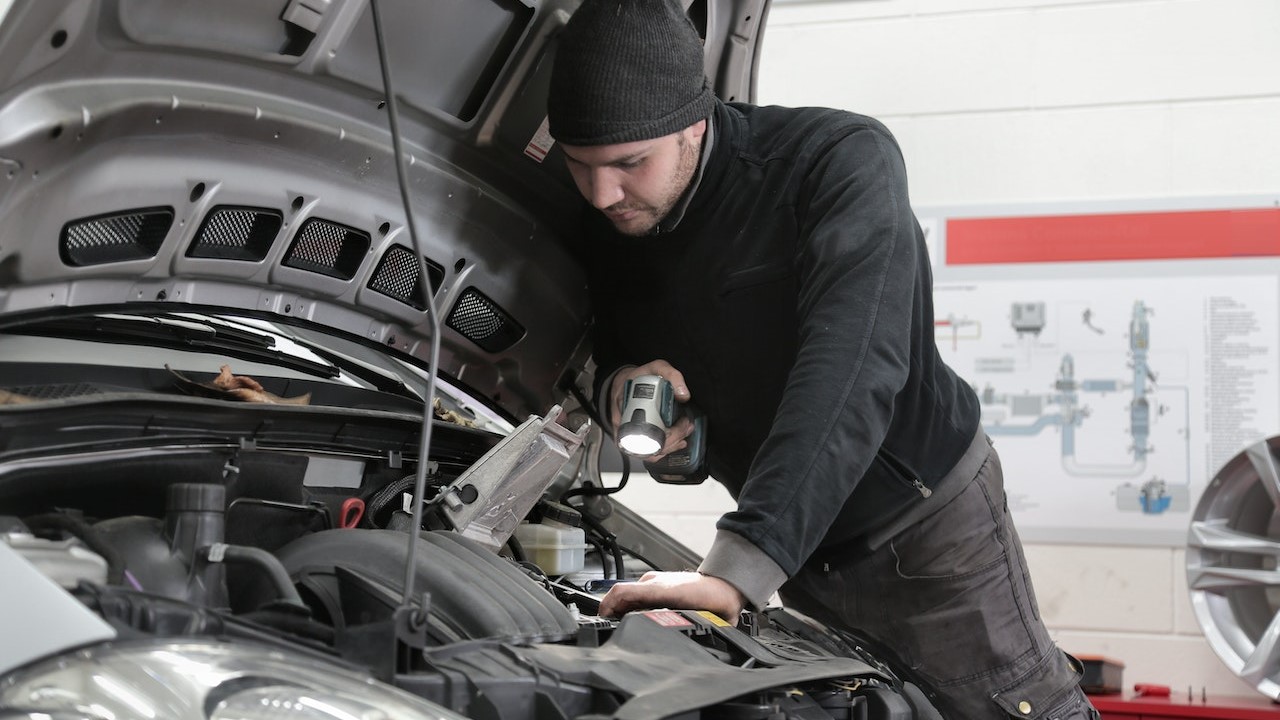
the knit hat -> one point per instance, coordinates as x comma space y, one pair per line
627, 70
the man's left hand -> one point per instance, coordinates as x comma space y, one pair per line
678, 590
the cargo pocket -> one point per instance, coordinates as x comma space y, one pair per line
960, 540
953, 588
1050, 691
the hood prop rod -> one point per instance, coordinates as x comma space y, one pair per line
417, 617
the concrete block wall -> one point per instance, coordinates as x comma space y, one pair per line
1011, 101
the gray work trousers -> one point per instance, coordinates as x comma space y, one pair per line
949, 601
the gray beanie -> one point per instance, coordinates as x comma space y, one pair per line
627, 70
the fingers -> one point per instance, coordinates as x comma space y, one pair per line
663, 369
683, 590
675, 377
655, 589
677, 439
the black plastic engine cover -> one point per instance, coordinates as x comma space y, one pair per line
474, 594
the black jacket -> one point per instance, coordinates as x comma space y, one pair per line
796, 297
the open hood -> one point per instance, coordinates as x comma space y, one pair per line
235, 157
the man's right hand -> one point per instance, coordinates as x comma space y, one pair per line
677, 433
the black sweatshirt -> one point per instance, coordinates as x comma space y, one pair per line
795, 296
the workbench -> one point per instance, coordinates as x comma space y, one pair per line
1175, 707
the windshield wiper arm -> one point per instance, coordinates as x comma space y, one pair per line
178, 333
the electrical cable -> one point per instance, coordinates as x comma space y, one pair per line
386, 495
586, 488
639, 557
592, 411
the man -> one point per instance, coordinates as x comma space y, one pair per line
767, 263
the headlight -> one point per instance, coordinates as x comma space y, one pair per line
199, 680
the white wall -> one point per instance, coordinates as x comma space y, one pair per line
999, 102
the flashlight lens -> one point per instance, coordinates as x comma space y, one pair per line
639, 445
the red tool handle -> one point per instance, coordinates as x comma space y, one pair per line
352, 511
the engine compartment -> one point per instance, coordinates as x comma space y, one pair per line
253, 541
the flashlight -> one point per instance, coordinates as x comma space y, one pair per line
649, 408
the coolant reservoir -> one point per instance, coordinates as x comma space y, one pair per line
556, 544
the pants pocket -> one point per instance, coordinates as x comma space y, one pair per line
1050, 691
961, 539
956, 593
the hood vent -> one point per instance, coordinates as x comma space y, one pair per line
117, 237
237, 233
481, 321
328, 248
398, 276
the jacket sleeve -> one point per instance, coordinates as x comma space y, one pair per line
856, 257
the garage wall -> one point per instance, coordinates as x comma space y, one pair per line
1002, 102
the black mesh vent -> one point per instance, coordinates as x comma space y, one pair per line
55, 392
328, 248
118, 237
481, 321
398, 276
237, 233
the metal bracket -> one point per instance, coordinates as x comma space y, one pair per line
489, 500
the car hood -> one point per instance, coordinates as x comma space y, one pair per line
236, 158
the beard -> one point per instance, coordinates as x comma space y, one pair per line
648, 216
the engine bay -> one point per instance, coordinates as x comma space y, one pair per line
274, 538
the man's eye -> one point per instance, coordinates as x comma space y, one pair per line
629, 164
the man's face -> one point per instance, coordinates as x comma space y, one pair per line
636, 184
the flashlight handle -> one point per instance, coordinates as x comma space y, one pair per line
686, 466
650, 389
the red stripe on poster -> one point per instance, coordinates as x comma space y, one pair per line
1122, 236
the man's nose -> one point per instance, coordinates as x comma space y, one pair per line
605, 190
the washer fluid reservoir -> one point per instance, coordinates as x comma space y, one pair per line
556, 543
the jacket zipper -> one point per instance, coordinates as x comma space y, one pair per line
902, 472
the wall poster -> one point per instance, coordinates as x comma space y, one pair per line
1120, 357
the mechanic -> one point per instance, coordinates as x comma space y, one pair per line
766, 261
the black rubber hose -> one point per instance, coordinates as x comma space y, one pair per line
609, 539
619, 566
261, 559
517, 550
599, 548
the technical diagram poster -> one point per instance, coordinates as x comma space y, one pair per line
1112, 388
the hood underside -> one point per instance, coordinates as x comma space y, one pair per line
236, 156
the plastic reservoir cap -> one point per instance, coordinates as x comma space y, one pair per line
560, 513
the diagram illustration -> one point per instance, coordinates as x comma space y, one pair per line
1114, 414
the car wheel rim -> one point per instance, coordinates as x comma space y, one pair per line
1233, 565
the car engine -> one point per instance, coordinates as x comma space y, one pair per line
249, 538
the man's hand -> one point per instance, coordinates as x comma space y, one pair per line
677, 433
677, 590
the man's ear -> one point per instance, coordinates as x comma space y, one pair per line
697, 130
